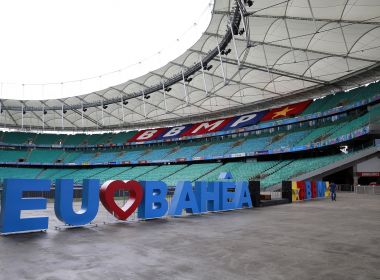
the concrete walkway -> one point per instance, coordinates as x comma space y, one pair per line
309, 240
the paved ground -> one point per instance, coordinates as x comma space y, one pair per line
309, 240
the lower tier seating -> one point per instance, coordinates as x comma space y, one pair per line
268, 172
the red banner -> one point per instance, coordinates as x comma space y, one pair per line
147, 135
286, 111
206, 127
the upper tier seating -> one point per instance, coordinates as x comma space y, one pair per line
281, 138
13, 155
43, 155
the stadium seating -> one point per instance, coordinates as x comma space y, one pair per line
12, 155
191, 172
292, 168
44, 155
15, 172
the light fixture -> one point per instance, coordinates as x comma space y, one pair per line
209, 67
249, 3
84, 109
241, 31
105, 107
45, 112
147, 96
188, 79
125, 102
168, 89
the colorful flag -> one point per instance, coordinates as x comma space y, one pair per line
286, 111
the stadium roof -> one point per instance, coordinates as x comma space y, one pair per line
286, 51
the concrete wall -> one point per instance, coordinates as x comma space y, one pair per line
369, 165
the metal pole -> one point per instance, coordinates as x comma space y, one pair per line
163, 88
242, 19
221, 64
234, 43
43, 117
102, 113
143, 98
204, 78
62, 117
22, 116
122, 108
184, 88
82, 114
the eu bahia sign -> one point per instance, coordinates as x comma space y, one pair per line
148, 198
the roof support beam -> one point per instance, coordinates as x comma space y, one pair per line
253, 14
272, 44
274, 71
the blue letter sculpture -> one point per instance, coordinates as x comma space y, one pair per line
243, 197
12, 203
64, 191
227, 196
207, 194
183, 198
154, 203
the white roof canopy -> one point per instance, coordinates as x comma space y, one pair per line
287, 50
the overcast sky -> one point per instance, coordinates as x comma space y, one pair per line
54, 41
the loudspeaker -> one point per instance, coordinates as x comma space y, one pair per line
287, 190
254, 189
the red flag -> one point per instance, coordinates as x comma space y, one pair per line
286, 111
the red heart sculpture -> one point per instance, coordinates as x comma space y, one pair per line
107, 197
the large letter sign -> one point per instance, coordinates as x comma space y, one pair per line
64, 190
227, 196
107, 196
243, 198
184, 198
154, 203
12, 203
207, 194
149, 198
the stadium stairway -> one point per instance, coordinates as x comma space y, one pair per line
336, 164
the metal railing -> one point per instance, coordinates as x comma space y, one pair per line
371, 190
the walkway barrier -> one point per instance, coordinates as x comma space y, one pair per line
371, 190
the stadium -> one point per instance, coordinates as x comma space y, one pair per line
280, 95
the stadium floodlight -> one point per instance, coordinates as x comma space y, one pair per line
249, 3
